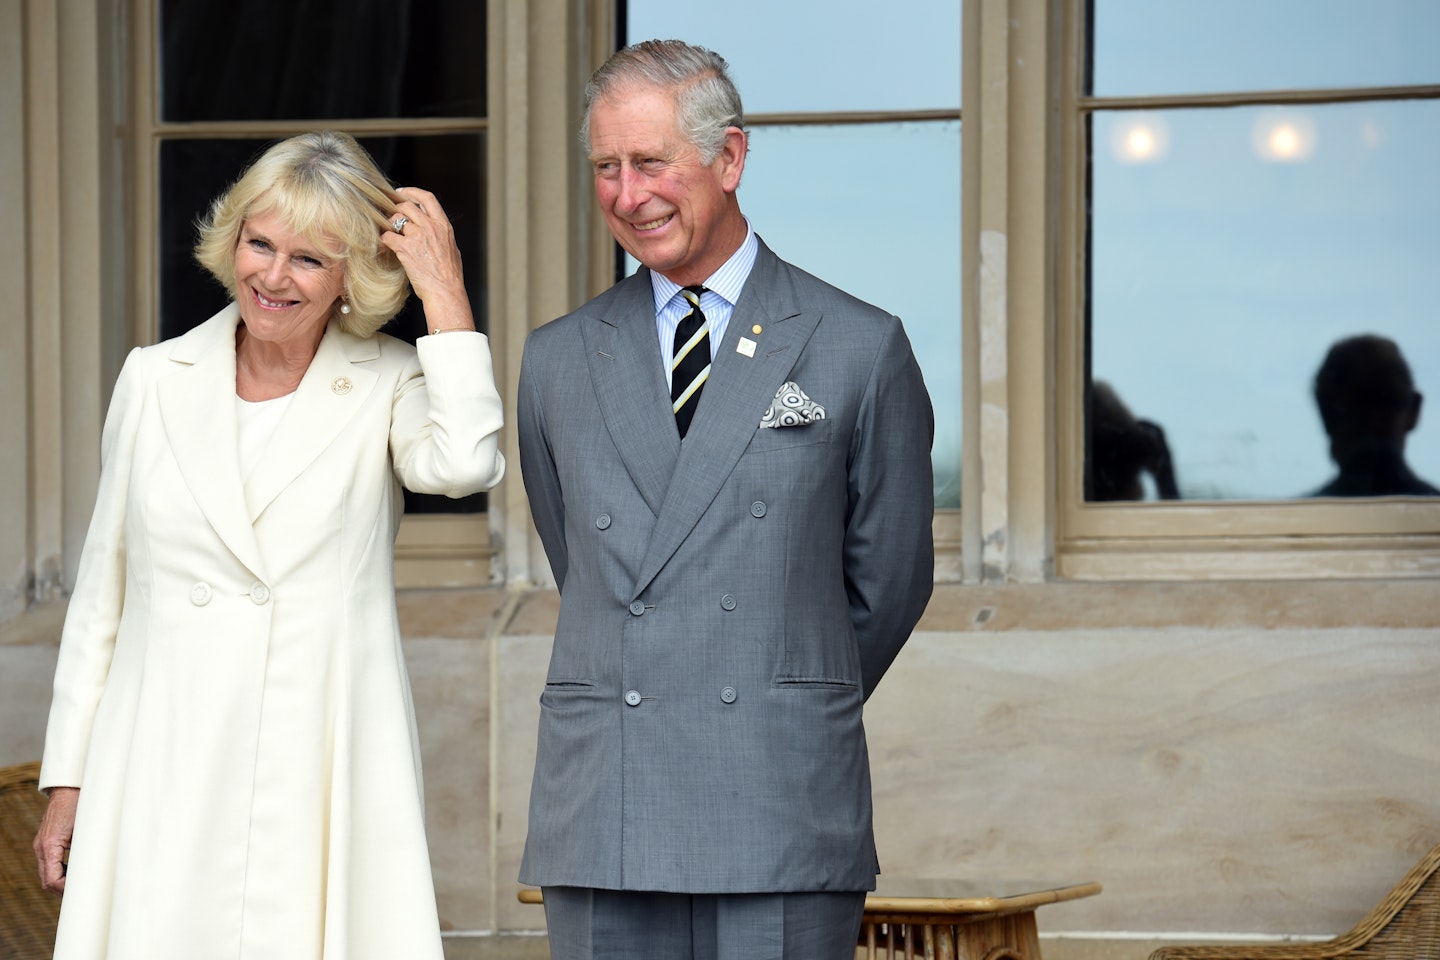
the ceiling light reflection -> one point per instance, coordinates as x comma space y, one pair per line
1140, 138
1284, 136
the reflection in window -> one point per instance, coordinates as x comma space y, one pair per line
1145, 48
900, 251
872, 207
821, 55
1225, 263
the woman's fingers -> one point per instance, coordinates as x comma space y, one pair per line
52, 841
425, 245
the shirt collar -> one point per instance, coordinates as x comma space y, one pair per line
727, 282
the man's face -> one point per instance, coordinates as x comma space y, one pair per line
666, 207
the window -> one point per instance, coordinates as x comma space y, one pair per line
1243, 199
407, 79
854, 168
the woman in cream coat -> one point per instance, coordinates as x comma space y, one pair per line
232, 741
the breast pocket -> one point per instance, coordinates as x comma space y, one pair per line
784, 438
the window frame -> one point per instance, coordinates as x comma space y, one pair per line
1392, 537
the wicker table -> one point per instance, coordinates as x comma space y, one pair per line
957, 919
949, 919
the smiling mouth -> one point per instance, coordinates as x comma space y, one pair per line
654, 224
269, 304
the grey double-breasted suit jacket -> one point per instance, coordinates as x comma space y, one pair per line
727, 603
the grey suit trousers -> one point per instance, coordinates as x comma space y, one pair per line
590, 924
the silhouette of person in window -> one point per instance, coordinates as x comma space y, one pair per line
1369, 404
1123, 449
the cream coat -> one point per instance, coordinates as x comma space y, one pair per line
231, 696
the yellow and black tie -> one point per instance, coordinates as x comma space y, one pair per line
691, 364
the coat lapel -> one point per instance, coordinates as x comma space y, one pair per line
737, 394
332, 391
197, 406
622, 350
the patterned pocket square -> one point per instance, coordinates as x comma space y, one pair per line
791, 408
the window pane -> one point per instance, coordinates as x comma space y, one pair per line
193, 172
884, 252
323, 59
1230, 248
1144, 47
813, 55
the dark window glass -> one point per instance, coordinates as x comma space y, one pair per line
321, 59
194, 172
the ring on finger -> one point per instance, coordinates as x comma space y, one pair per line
398, 224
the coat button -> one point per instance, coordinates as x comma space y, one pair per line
637, 608
200, 594
259, 593
632, 697
757, 509
728, 695
602, 522
727, 602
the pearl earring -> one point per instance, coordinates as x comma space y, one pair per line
344, 308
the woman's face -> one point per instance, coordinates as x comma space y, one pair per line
286, 286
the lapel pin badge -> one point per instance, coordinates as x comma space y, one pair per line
756, 329
746, 346
340, 385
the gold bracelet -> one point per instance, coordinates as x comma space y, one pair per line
452, 330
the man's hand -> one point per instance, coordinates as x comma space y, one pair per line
53, 839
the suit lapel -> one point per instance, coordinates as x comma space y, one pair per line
332, 391
197, 406
738, 392
622, 350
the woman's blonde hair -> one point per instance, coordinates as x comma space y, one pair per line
326, 188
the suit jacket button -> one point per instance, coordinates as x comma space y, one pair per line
727, 602
757, 509
632, 697
259, 593
728, 695
602, 522
200, 594
637, 608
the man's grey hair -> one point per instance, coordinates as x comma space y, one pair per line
706, 98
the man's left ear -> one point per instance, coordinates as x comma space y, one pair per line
731, 161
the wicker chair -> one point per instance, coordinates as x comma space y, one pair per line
27, 913
1405, 926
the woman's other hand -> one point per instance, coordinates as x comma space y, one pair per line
53, 839
425, 245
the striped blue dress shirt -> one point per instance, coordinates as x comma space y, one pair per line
722, 290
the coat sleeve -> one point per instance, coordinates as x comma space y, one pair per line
445, 426
889, 549
92, 619
537, 466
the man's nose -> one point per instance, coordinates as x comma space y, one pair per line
632, 189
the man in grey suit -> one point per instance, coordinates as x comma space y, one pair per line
728, 462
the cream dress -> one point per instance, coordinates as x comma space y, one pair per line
231, 696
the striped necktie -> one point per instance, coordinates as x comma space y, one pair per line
691, 363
